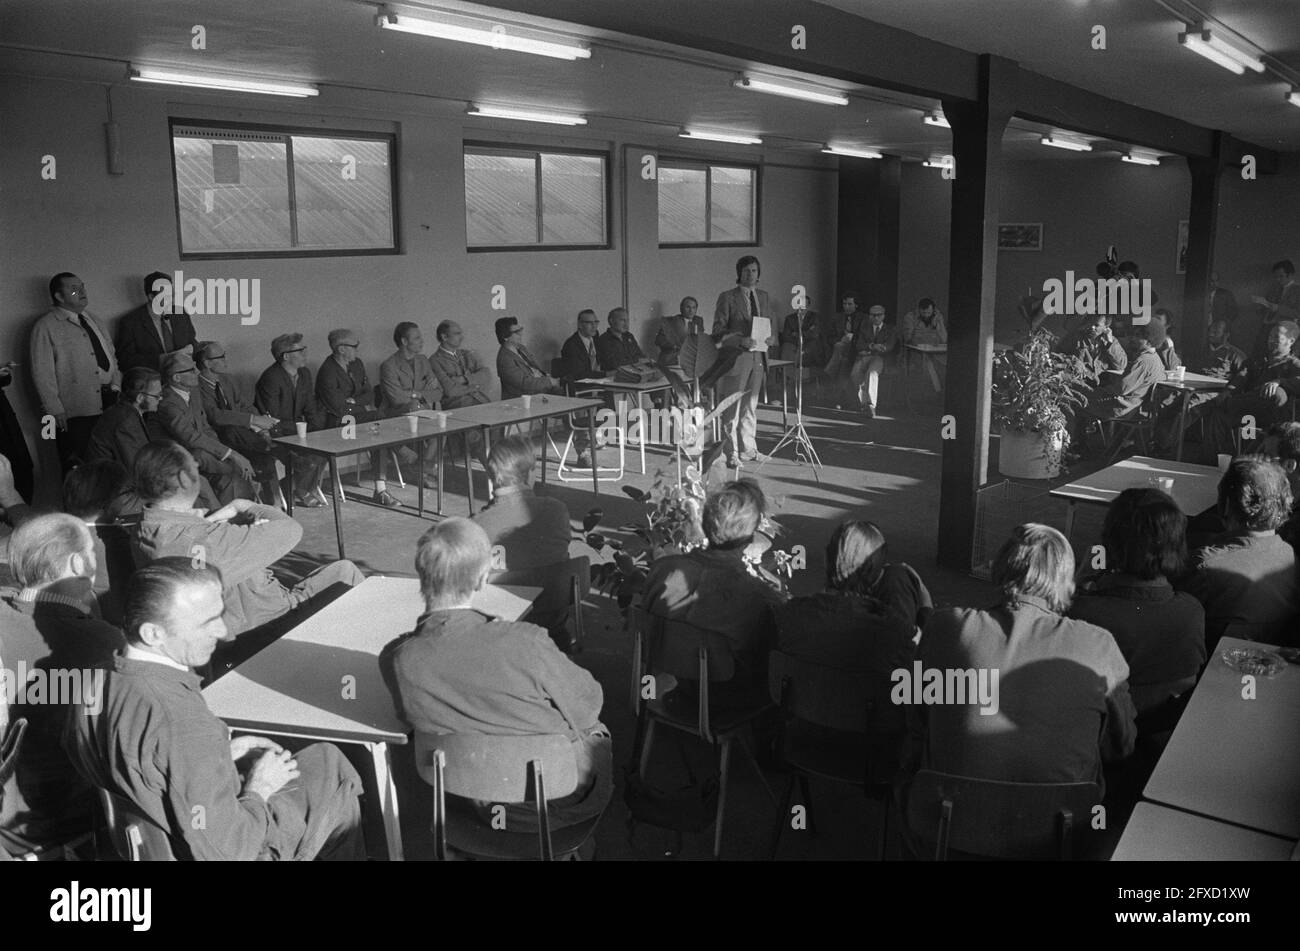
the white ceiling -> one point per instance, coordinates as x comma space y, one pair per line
635, 86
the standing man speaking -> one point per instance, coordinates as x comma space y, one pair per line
742, 360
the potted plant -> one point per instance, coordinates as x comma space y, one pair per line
1034, 390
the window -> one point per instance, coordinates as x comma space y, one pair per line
525, 198
250, 191
702, 203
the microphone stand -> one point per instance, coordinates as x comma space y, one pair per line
797, 435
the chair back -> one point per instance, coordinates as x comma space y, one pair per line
135, 837
119, 553
824, 696
685, 650
10, 746
557, 582
997, 819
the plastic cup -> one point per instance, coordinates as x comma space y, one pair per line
1164, 483
441, 419
1225, 460
1180, 373
527, 400
302, 430
414, 422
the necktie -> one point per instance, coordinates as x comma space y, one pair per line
221, 396
528, 358
169, 342
753, 304
101, 358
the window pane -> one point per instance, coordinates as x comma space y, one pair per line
573, 199
682, 212
500, 199
731, 212
249, 211
343, 191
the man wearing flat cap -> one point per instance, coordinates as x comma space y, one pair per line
181, 416
343, 390
233, 417
285, 391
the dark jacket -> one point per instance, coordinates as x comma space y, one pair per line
342, 393
138, 343
576, 363
288, 399
618, 350
1247, 580
121, 433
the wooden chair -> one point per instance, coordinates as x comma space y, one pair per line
1139, 425
134, 836
844, 744
683, 651
564, 585
1002, 820
500, 770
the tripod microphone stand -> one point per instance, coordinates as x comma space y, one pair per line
797, 435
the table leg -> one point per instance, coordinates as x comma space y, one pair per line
907, 375
640, 429
379, 755
419, 492
591, 437
442, 441
546, 437
1069, 520
288, 477
785, 401
1182, 423
338, 503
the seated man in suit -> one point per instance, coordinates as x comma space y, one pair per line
617, 346
1122, 396
1262, 390
463, 378
54, 564
242, 539
130, 423
517, 369
181, 417
460, 671
409, 384
815, 353
343, 392
1223, 361
674, 330
838, 333
236, 422
151, 739
284, 392
580, 360
926, 326
155, 328
1246, 577
874, 343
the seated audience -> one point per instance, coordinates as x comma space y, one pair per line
96, 493
1162, 321
461, 671
1063, 704
233, 418
617, 346
1223, 362
1262, 390
53, 560
1160, 632
925, 326
518, 371
1282, 302
674, 330
532, 531
243, 540
463, 378
154, 328
343, 393
1284, 441
181, 417
815, 352
711, 588
1246, 578
1119, 396
131, 422
1099, 353
151, 739
580, 360
284, 392
874, 343
409, 384
838, 334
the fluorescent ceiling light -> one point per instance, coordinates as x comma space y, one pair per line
1220, 51
730, 137
483, 32
1293, 96
1137, 158
853, 153
830, 97
945, 162
169, 77
525, 115
1056, 142
936, 118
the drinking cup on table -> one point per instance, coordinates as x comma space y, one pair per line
527, 400
302, 430
414, 422
1180, 373
1225, 460
441, 419
1164, 483
1171, 375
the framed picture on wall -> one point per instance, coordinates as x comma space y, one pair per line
1182, 247
1020, 237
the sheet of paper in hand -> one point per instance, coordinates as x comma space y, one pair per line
761, 330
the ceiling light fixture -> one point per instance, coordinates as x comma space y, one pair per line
1056, 142
1293, 96
169, 77
482, 32
945, 162
525, 115
1218, 50
1139, 158
808, 93
853, 153
936, 118
732, 138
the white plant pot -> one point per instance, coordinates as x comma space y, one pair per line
1024, 455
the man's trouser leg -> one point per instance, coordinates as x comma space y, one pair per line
71, 443
866, 374
318, 815
320, 579
748, 420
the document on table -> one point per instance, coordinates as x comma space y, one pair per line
761, 330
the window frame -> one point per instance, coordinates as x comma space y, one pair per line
390, 138
708, 164
520, 150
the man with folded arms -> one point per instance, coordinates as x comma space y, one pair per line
284, 392
409, 385
617, 346
463, 378
154, 328
343, 392
181, 417
154, 741
518, 370
243, 539
233, 418
461, 671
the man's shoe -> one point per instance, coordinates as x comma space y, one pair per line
733, 461
383, 498
584, 461
755, 456
869, 412
308, 501
430, 481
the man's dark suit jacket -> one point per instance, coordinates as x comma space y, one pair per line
138, 343
577, 363
121, 433
344, 392
289, 400
618, 350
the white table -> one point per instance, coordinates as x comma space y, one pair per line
1233, 759
321, 681
927, 352
1189, 384
1157, 834
611, 385
1196, 488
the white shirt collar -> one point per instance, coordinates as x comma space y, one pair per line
136, 653
183, 394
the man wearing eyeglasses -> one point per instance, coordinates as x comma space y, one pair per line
343, 391
236, 422
519, 370
284, 391
74, 367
